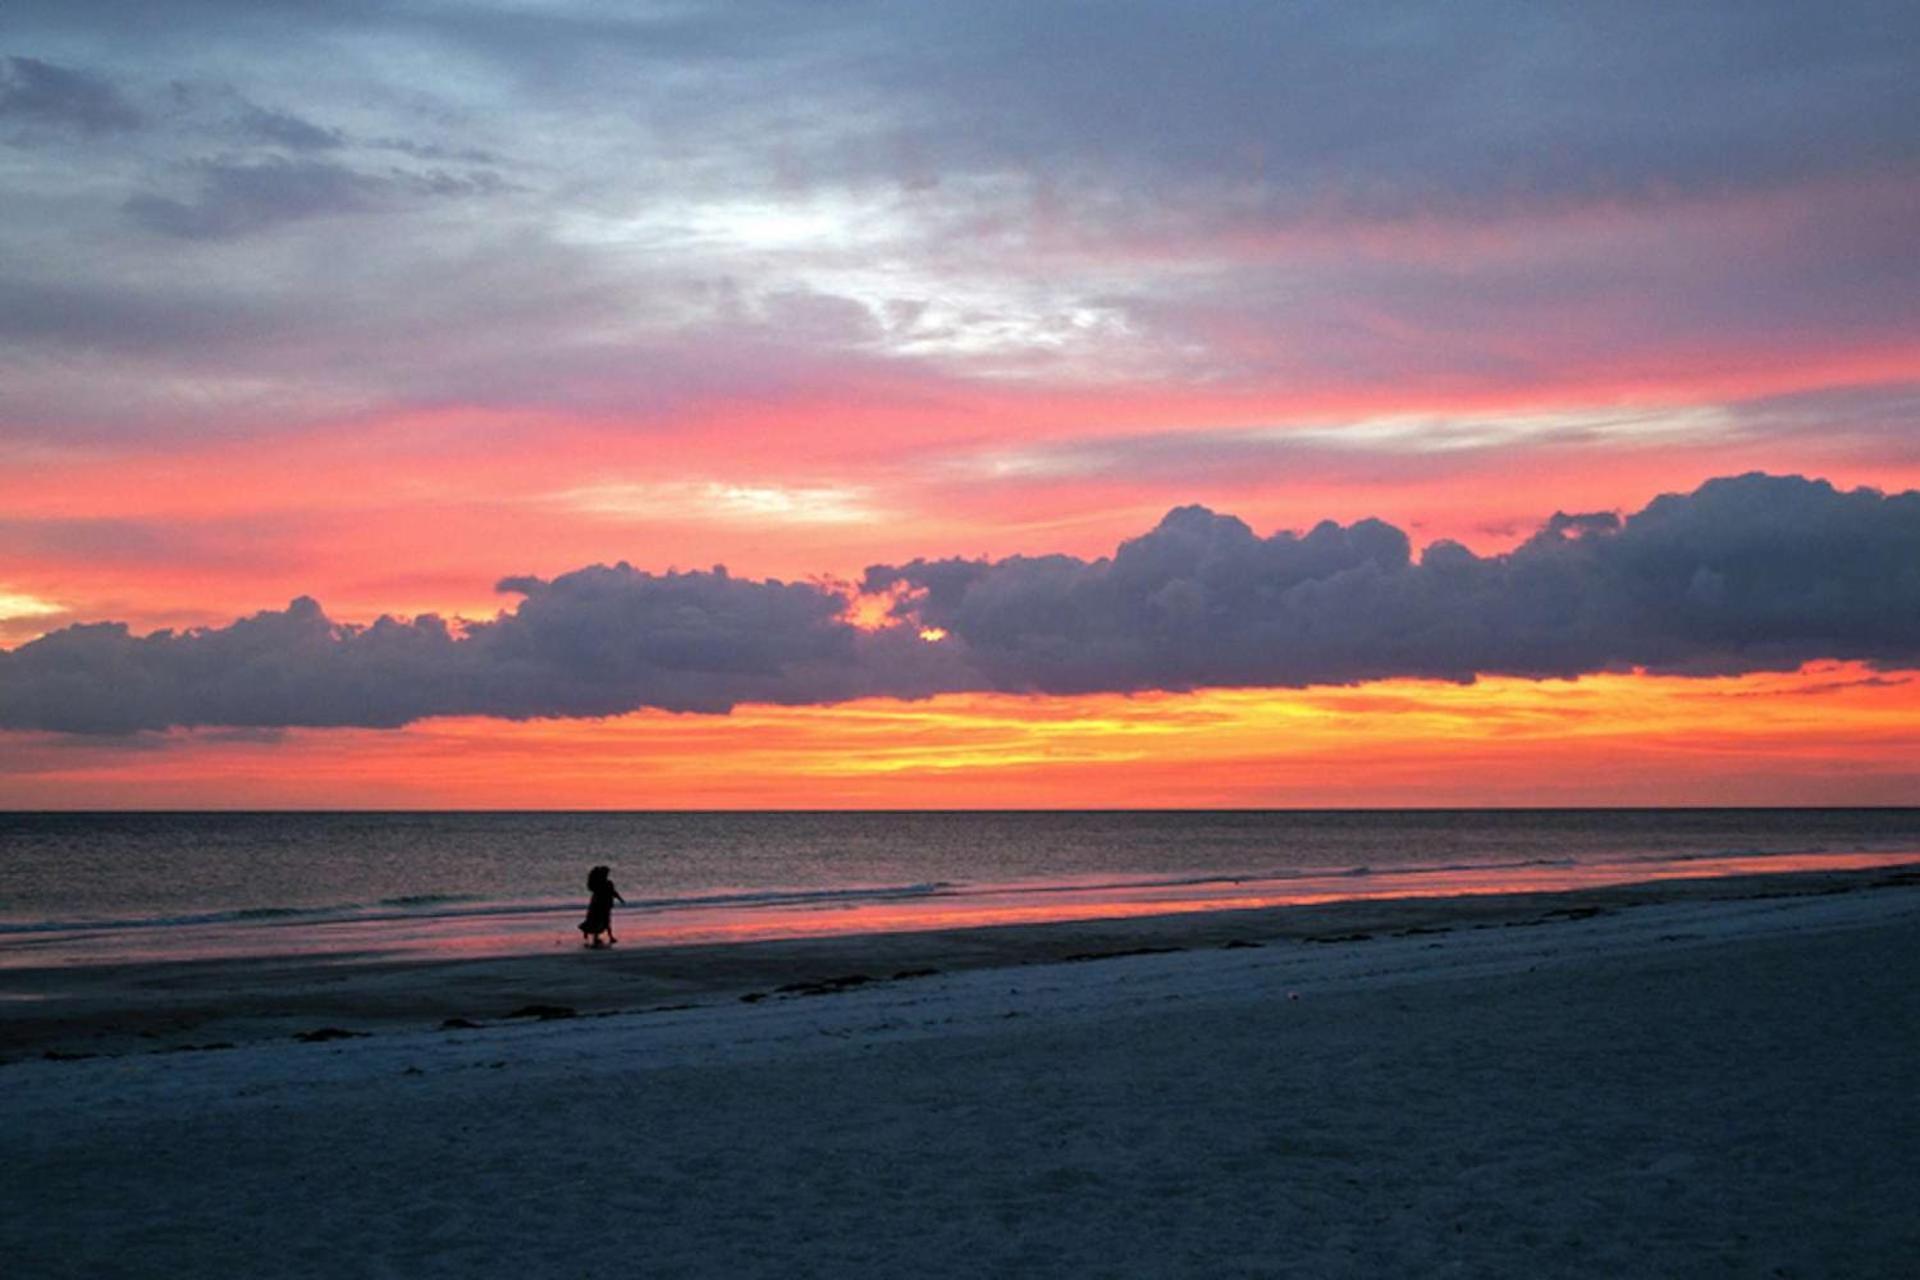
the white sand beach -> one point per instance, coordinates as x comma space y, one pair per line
1698, 1085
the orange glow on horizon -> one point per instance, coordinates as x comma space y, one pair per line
1829, 734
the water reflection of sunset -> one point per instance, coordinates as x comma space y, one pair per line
522, 929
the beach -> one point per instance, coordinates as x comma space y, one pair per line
1697, 1078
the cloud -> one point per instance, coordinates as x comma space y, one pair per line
1302, 201
1746, 573
1377, 447
775, 504
236, 199
599, 641
123, 320
284, 129
40, 93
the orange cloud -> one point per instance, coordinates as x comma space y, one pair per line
1828, 734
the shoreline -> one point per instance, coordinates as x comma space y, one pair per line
169, 1007
438, 926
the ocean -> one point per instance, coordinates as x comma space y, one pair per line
88, 888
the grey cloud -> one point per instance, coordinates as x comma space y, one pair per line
441, 182
139, 543
40, 93
478, 316
121, 318
1746, 573
218, 108
599, 641
1888, 416
1404, 108
1583, 525
603, 640
1178, 131
1393, 109
1539, 309
1878, 422
284, 129
437, 151
236, 199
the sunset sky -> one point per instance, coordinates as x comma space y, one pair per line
1011, 359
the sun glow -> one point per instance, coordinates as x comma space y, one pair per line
761, 504
1831, 733
15, 604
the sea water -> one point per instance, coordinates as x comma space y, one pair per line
101, 887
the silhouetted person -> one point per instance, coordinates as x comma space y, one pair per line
600, 907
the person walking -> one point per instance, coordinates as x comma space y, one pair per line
600, 907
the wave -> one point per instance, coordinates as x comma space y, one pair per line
433, 906
426, 899
243, 915
1275, 876
800, 897
1710, 855
429, 907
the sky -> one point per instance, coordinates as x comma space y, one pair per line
578, 404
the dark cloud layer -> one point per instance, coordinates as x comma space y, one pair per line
1748, 573
1754, 572
598, 641
1288, 195
284, 129
237, 199
42, 94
